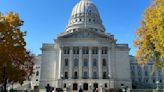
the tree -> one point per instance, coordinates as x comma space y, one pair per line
15, 60
150, 36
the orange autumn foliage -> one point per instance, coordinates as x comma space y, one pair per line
15, 60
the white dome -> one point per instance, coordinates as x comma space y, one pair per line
85, 15
84, 6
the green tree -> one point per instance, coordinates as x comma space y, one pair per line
15, 61
150, 36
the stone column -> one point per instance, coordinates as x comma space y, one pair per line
110, 69
109, 62
90, 62
60, 62
99, 63
80, 62
70, 62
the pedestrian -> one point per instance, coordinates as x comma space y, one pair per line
80, 90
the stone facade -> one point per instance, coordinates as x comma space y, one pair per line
84, 56
143, 76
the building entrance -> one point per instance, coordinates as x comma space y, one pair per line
85, 86
95, 85
75, 86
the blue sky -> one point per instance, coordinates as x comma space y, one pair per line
44, 19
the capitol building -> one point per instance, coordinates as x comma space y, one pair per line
84, 55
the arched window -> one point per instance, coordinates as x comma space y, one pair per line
76, 62
66, 62
85, 63
104, 62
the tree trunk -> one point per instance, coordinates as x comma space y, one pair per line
5, 85
4, 80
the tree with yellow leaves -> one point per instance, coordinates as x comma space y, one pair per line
15, 61
150, 36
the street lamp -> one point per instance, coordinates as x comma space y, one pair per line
157, 82
90, 86
109, 80
69, 87
101, 88
61, 80
123, 87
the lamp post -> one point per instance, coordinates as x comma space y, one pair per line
157, 82
69, 87
61, 80
123, 87
109, 80
90, 86
101, 88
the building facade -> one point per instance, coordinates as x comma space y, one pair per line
85, 56
143, 77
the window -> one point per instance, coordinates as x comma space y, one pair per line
37, 73
85, 62
66, 50
104, 62
85, 75
75, 75
66, 75
105, 85
104, 75
74, 30
104, 50
94, 62
95, 85
89, 20
85, 86
75, 87
66, 62
153, 80
146, 80
94, 51
146, 73
132, 67
76, 62
139, 79
93, 20
85, 51
139, 73
132, 73
75, 50
94, 75
65, 85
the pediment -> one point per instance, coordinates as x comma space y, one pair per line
85, 34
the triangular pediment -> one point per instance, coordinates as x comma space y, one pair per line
85, 34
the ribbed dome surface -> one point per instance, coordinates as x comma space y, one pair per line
85, 6
85, 15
